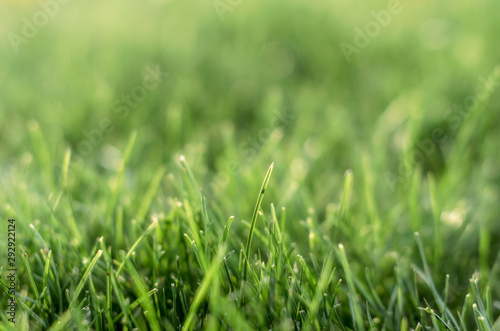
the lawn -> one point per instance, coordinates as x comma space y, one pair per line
249, 165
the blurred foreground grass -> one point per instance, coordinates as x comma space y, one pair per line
233, 87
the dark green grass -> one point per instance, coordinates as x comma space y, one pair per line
264, 183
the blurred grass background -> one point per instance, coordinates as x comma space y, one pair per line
228, 79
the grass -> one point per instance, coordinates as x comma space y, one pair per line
156, 211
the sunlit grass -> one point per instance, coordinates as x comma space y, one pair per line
156, 211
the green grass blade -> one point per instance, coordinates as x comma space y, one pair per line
134, 246
203, 289
345, 200
146, 303
254, 219
357, 311
86, 275
226, 229
150, 193
46, 269
33, 284
121, 173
